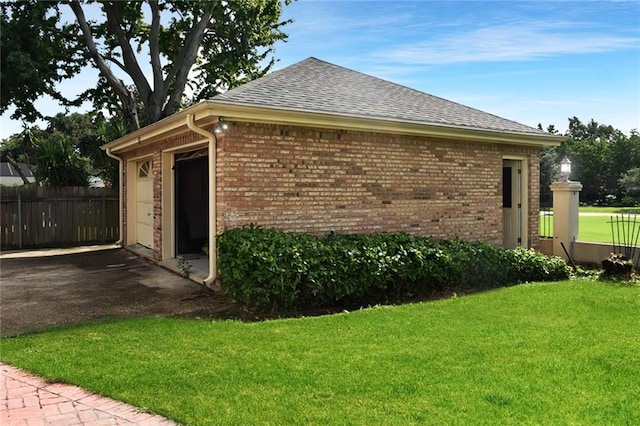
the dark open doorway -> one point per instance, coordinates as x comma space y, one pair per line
512, 203
192, 202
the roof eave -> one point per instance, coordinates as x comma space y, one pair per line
174, 124
207, 112
233, 111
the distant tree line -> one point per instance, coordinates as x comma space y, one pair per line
605, 160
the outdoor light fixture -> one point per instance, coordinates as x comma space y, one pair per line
565, 169
222, 126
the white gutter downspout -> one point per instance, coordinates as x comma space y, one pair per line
213, 265
120, 193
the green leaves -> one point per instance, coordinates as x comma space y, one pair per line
37, 52
630, 182
273, 270
206, 47
59, 164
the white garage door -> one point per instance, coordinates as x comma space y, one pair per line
144, 204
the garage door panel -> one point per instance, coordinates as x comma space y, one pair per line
144, 204
144, 214
144, 191
145, 235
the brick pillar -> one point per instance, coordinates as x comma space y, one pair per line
566, 200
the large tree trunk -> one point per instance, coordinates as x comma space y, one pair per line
129, 109
153, 110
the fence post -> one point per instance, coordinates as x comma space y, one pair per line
566, 201
19, 222
103, 233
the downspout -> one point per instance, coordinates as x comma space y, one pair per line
120, 193
213, 264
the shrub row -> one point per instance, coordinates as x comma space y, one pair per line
267, 269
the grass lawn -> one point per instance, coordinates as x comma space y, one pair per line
595, 229
590, 228
619, 210
554, 353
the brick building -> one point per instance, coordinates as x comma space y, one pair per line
316, 147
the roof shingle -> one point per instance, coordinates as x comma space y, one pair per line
316, 86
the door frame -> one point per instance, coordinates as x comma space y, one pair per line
524, 197
198, 159
168, 248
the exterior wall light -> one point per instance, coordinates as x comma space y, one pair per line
221, 127
565, 169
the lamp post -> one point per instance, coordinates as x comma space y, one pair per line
565, 169
566, 201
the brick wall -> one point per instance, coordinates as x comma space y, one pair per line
317, 181
155, 151
534, 196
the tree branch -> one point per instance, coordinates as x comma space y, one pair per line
154, 108
182, 65
118, 85
131, 63
154, 46
115, 61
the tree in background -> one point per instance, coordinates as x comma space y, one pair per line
67, 152
51, 157
630, 181
20, 148
105, 167
600, 154
199, 47
549, 169
59, 164
87, 133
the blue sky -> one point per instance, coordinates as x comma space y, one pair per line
529, 61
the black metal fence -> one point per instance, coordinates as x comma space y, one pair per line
546, 222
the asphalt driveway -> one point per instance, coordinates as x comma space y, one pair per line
41, 289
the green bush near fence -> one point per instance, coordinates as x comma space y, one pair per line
274, 270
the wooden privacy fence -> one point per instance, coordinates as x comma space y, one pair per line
51, 217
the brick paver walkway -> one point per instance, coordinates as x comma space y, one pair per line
28, 400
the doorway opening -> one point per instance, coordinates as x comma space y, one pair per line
191, 202
511, 203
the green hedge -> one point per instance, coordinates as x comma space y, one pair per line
267, 269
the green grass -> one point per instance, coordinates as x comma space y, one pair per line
620, 210
555, 353
596, 229
590, 228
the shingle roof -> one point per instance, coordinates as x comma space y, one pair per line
316, 86
7, 169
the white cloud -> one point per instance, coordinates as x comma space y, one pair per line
510, 42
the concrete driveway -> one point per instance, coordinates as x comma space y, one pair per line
45, 288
